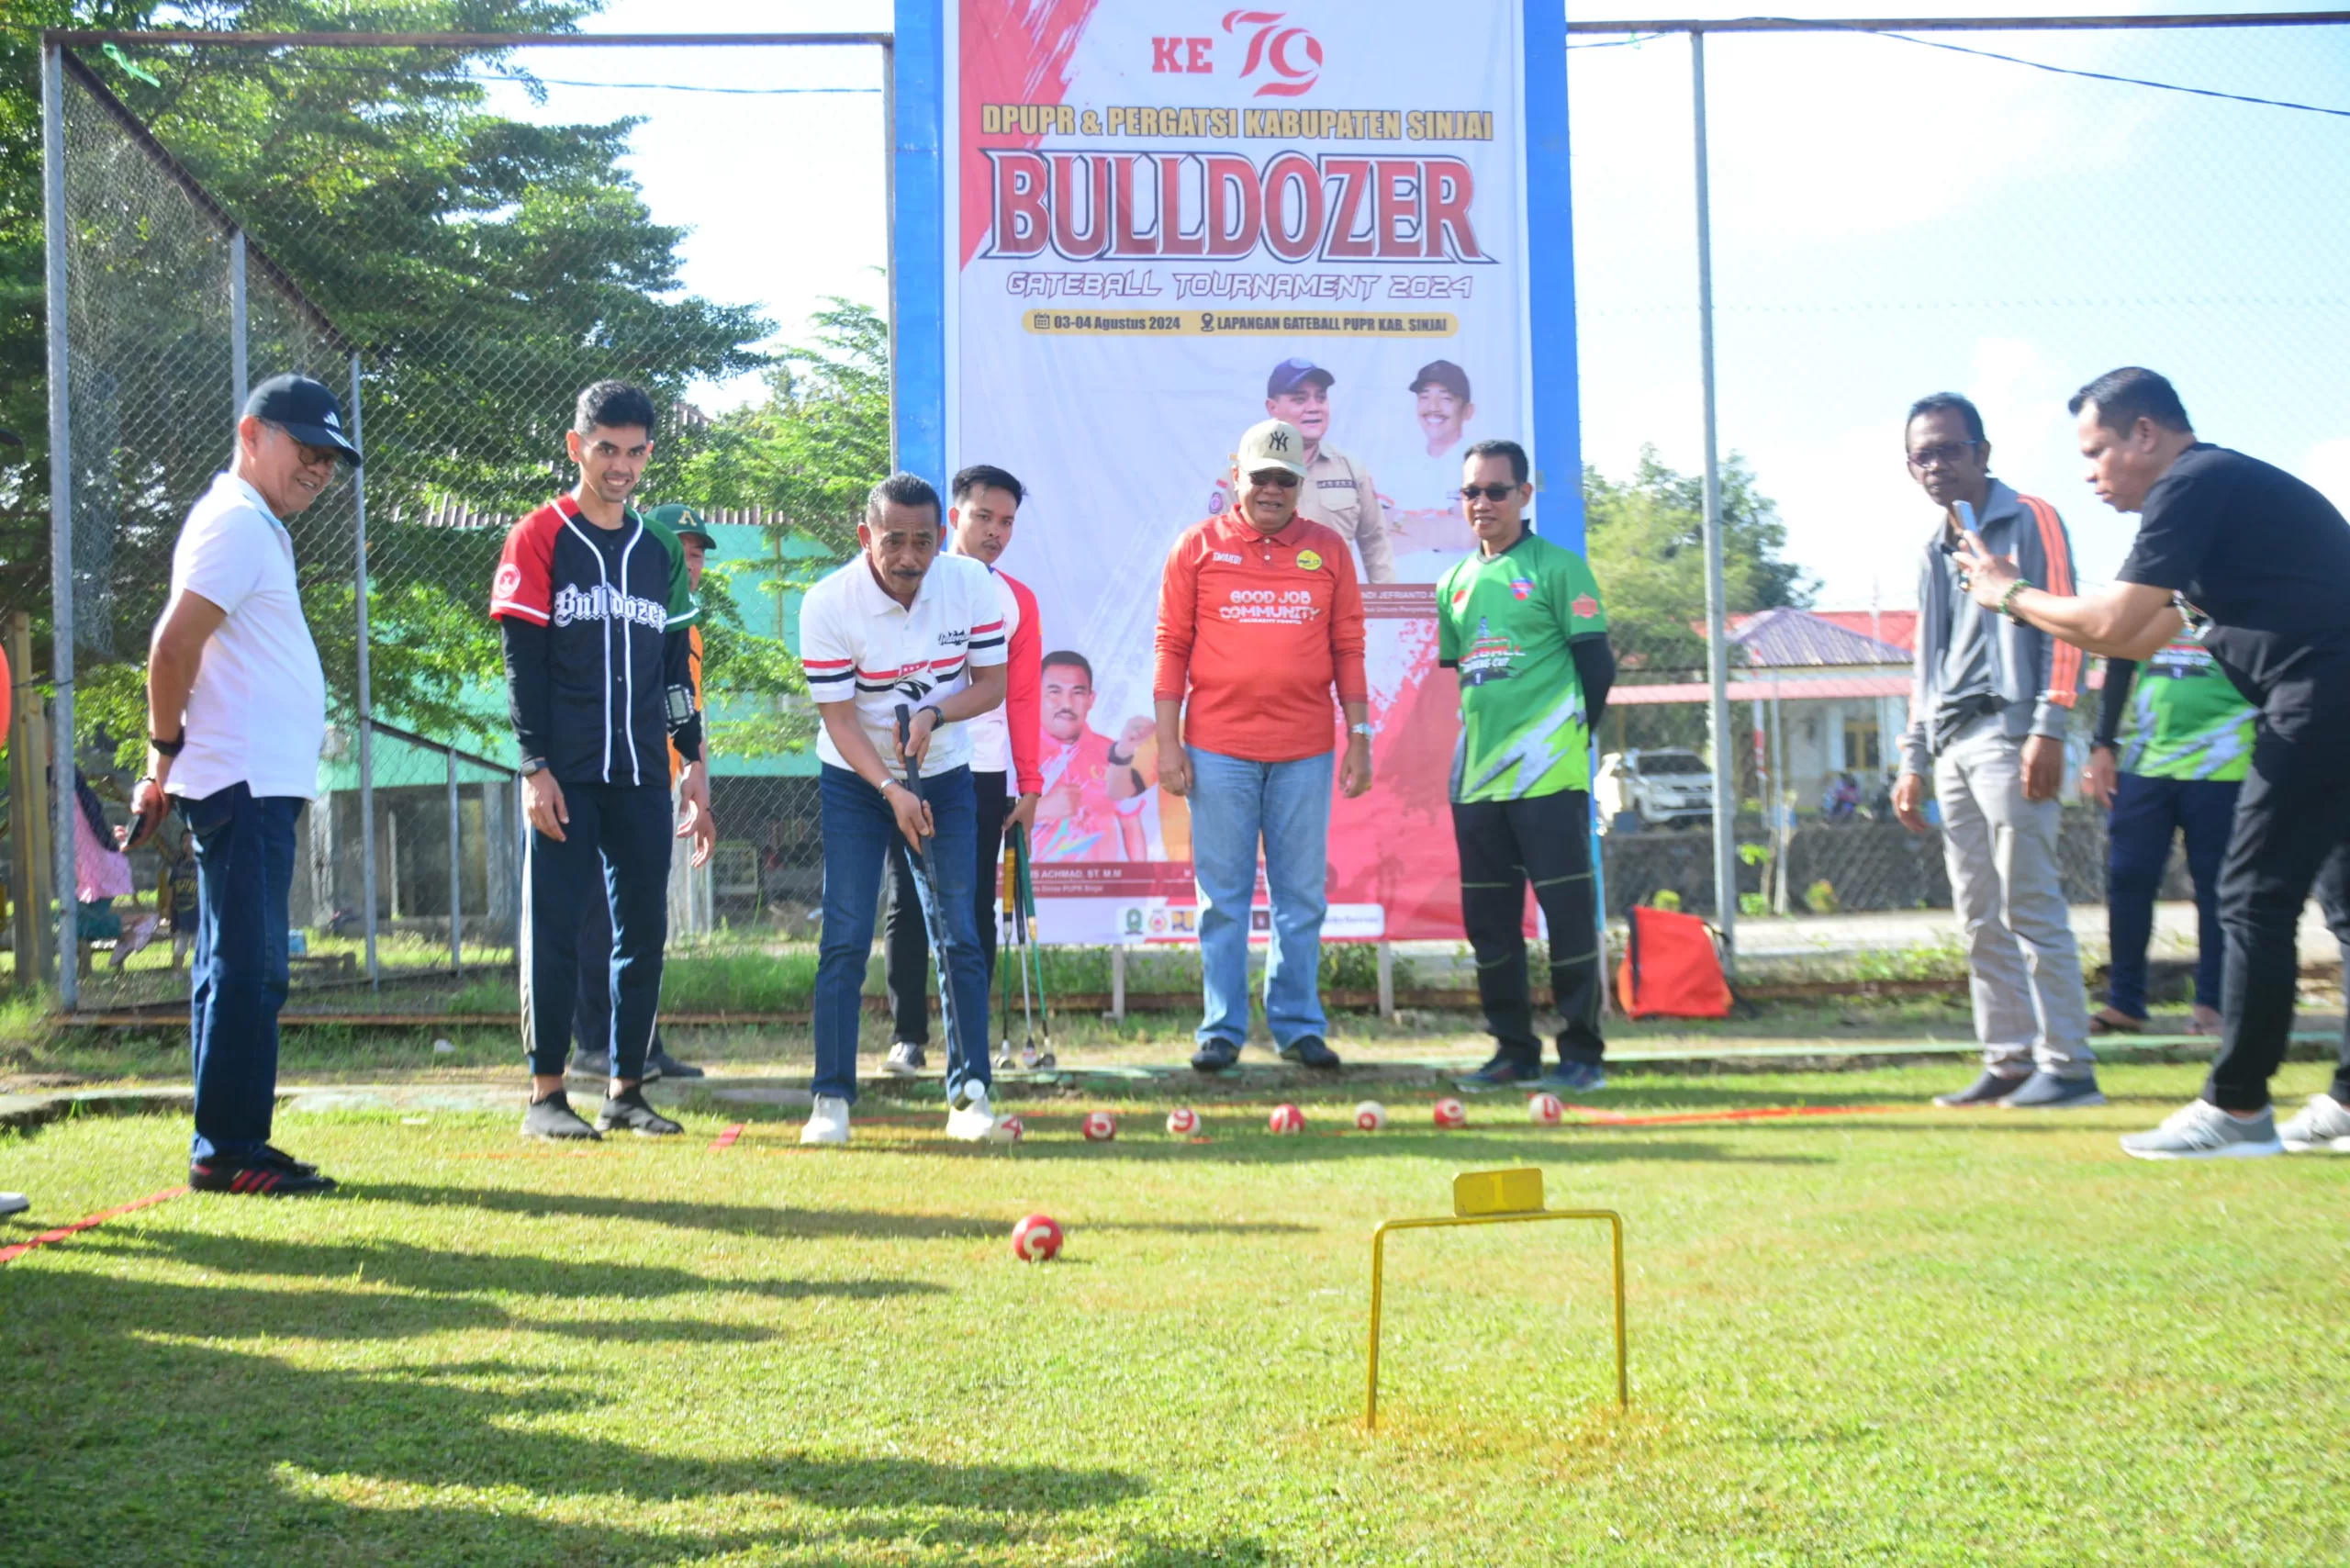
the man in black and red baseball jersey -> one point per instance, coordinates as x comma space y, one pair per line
595, 605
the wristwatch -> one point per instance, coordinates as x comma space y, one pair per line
1364, 730
532, 764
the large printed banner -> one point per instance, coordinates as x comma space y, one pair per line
1165, 223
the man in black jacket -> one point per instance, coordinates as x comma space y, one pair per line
595, 605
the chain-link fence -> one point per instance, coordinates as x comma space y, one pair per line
459, 316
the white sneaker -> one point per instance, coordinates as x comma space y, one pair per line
905, 1060
828, 1122
2323, 1124
973, 1121
14, 1203
2201, 1131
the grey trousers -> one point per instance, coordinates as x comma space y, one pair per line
2030, 1010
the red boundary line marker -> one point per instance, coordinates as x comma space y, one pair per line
726, 1138
10, 1254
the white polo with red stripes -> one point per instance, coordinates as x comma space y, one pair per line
855, 642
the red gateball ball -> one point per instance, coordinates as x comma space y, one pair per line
1546, 1109
1099, 1126
1450, 1112
1183, 1122
1286, 1119
1037, 1240
1012, 1129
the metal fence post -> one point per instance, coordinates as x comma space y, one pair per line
239, 365
456, 874
366, 707
1717, 599
62, 805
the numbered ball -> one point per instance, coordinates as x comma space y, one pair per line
1546, 1109
1183, 1122
1011, 1129
1037, 1240
1099, 1126
1451, 1113
1286, 1119
1370, 1116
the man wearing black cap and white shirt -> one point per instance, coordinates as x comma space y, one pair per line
1338, 493
236, 715
1427, 495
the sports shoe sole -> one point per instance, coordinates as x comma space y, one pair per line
2225, 1151
900, 1070
2321, 1145
2073, 1104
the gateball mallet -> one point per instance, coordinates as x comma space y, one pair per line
933, 919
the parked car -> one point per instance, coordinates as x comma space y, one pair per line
1655, 788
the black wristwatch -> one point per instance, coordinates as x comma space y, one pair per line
532, 764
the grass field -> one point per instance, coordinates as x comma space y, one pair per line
1898, 1337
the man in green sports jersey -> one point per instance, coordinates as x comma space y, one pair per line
1521, 621
2189, 749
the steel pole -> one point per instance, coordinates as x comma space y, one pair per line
456, 874
366, 706
1717, 605
889, 223
62, 805
239, 364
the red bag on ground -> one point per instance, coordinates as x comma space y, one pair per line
1671, 968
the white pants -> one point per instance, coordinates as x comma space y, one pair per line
2029, 1008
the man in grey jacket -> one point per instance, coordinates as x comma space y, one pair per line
1989, 702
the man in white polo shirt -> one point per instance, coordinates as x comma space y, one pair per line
236, 715
901, 624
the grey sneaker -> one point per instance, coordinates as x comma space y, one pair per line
590, 1065
2201, 1131
2323, 1124
14, 1203
1987, 1089
2046, 1092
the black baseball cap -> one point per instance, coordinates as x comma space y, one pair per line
1445, 373
1291, 374
304, 409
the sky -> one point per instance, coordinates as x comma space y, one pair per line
1888, 220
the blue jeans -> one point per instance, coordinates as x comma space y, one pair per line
2146, 812
1287, 805
858, 830
244, 872
615, 847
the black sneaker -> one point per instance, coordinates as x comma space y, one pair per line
1502, 1072
628, 1109
1310, 1050
1987, 1089
300, 1167
659, 1063
1217, 1056
553, 1117
590, 1064
268, 1174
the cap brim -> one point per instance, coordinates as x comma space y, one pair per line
319, 435
709, 545
1260, 465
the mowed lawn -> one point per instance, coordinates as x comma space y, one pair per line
1901, 1336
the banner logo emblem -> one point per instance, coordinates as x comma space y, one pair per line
1279, 48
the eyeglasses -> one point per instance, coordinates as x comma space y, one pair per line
1935, 456
1274, 479
1491, 492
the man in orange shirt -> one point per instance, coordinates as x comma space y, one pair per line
1087, 811
1259, 618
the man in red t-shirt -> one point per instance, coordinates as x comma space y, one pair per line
1091, 786
1259, 619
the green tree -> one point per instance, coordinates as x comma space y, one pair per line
1645, 537
484, 269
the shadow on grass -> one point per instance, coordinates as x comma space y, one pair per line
157, 1443
463, 1274
752, 1220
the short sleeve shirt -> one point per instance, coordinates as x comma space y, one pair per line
1506, 623
2187, 718
257, 714
608, 597
858, 643
2268, 559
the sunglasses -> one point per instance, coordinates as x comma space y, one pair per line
1491, 492
1941, 456
1274, 479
